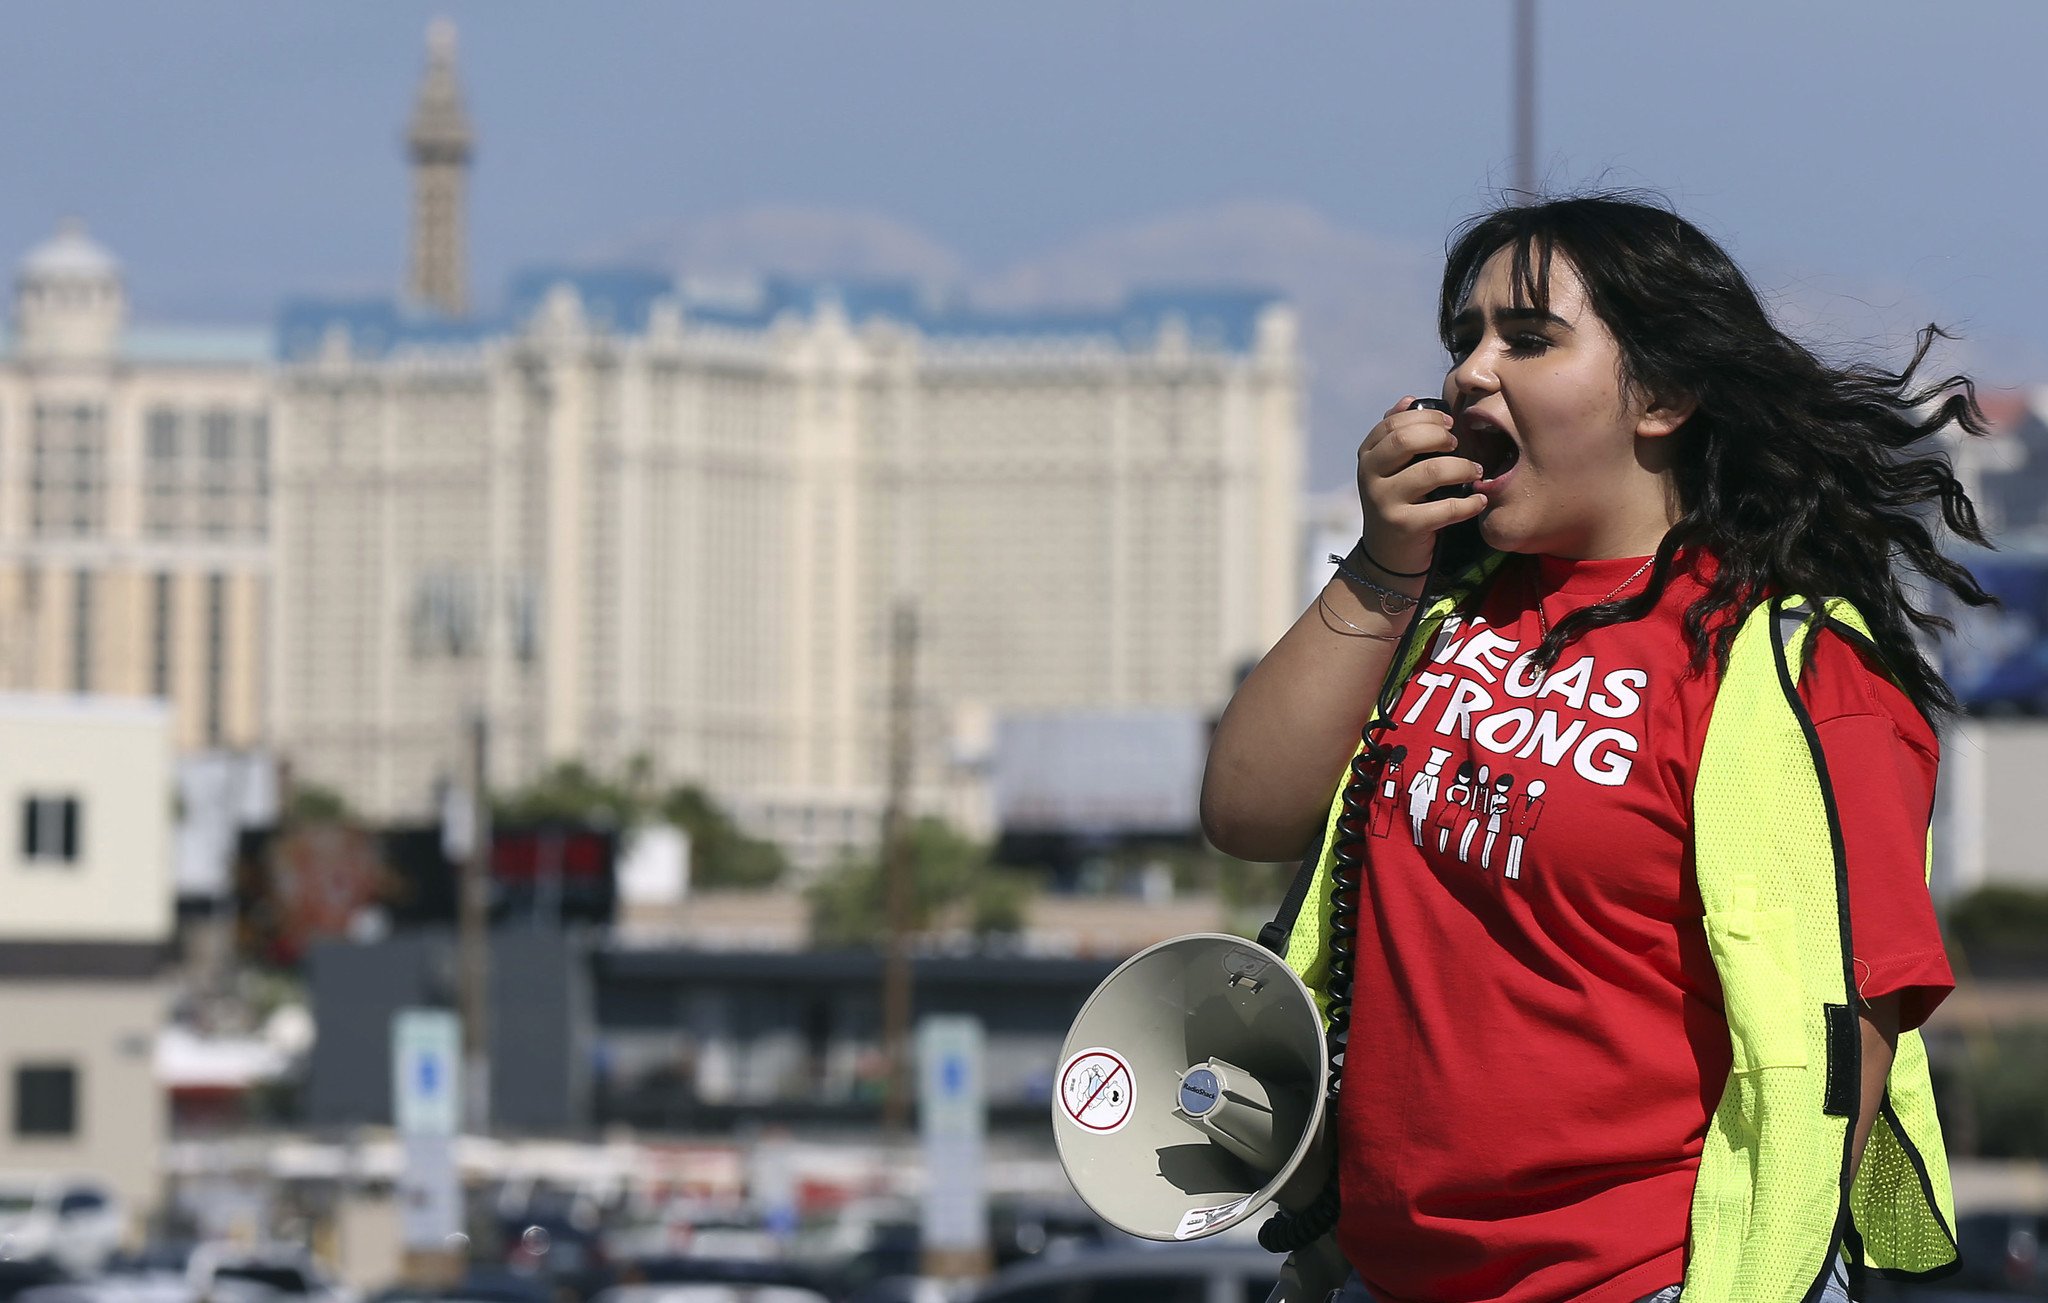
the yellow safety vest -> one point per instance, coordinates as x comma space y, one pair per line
1769, 1207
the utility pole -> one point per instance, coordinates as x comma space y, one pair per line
1525, 98
896, 867
473, 938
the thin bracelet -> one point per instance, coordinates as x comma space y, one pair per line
1391, 602
1386, 569
1330, 612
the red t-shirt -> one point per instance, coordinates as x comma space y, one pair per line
1538, 1038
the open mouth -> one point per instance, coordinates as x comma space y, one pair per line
1489, 445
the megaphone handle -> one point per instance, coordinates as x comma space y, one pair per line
1312, 1274
1289, 1229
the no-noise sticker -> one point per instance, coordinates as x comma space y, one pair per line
1096, 1090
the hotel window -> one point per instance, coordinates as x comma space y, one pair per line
259, 451
163, 436
67, 470
45, 1100
81, 630
50, 829
217, 472
216, 655
162, 473
217, 437
160, 636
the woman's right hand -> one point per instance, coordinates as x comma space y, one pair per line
1397, 471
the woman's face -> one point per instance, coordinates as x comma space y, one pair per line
1576, 463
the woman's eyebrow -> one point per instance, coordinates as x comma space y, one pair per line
1525, 316
1505, 317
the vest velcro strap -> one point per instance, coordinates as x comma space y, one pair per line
1845, 1062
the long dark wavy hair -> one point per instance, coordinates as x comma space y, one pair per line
1796, 475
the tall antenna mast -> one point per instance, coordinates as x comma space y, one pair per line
1525, 98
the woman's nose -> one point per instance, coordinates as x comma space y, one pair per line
1473, 377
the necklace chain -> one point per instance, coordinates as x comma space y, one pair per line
1543, 621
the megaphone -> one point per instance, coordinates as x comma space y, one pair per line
1191, 1094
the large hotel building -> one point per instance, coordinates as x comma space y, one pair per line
622, 521
134, 501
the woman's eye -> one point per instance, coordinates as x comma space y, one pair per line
1461, 348
1527, 345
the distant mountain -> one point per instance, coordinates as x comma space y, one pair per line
793, 241
1366, 303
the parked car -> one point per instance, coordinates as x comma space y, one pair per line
713, 1293
680, 1227
2003, 1250
156, 1259
555, 1235
17, 1276
284, 1269
498, 1285
908, 1289
1020, 1229
1176, 1273
148, 1289
659, 1280
74, 1222
477, 1285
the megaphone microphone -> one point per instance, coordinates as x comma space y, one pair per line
1192, 1094
1261, 1124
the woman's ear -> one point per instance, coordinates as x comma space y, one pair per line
1665, 415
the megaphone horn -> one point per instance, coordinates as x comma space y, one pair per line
1191, 1090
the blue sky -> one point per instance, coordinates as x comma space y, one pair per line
1876, 164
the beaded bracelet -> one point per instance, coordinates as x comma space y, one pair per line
1391, 602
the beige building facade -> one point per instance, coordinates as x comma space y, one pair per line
625, 524
134, 501
85, 869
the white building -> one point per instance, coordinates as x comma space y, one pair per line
134, 500
85, 785
629, 524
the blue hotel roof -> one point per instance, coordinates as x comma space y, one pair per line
621, 300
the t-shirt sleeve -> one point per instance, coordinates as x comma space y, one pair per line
1881, 758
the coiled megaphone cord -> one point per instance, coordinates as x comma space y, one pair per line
1287, 1230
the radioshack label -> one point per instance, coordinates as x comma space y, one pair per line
1197, 1222
1096, 1090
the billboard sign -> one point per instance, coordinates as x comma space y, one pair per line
1997, 660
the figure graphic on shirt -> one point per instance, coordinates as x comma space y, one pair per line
1522, 816
1476, 802
1422, 791
1388, 797
1496, 817
1447, 812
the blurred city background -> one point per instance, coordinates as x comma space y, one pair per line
609, 613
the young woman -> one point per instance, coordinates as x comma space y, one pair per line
1541, 1029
